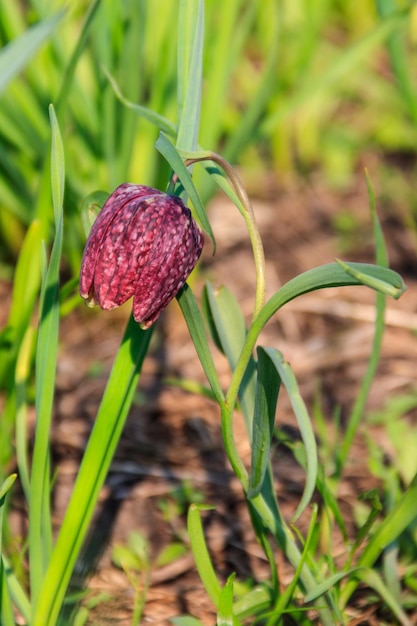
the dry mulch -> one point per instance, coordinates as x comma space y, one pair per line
172, 437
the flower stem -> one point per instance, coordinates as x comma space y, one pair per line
249, 217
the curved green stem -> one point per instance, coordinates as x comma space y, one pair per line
230, 446
249, 217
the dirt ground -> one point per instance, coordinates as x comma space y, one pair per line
173, 438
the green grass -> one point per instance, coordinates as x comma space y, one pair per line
104, 92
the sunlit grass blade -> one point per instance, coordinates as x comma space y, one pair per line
396, 521
23, 370
373, 580
19, 52
380, 303
25, 291
107, 429
190, 68
225, 612
16, 591
201, 554
256, 600
40, 528
6, 609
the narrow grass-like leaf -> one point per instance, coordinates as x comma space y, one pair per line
363, 393
16, 591
25, 290
105, 435
151, 116
289, 381
228, 329
254, 601
267, 389
396, 521
190, 68
371, 578
170, 153
15, 55
23, 370
185, 620
6, 609
40, 529
90, 209
374, 282
193, 319
330, 582
396, 44
333, 275
225, 613
226, 322
201, 554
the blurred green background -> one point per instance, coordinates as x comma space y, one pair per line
292, 87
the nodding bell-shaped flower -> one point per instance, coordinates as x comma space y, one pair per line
144, 243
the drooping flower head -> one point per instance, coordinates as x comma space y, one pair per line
144, 243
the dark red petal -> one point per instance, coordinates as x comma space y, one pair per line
126, 248
173, 257
111, 210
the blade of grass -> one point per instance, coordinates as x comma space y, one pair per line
190, 68
380, 302
398, 519
15, 55
268, 383
192, 316
201, 554
103, 440
40, 531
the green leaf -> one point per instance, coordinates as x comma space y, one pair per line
190, 71
303, 419
267, 389
369, 280
394, 523
16, 54
185, 620
257, 599
111, 417
333, 275
40, 523
4, 488
170, 153
15, 591
228, 330
91, 207
328, 584
154, 118
225, 614
193, 319
201, 555
371, 578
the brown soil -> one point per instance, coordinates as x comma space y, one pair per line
173, 438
